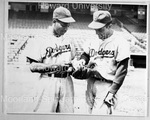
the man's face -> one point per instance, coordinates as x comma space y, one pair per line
61, 27
102, 32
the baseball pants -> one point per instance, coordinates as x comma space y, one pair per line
97, 94
54, 95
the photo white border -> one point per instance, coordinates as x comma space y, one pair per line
37, 116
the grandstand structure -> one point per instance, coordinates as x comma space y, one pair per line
27, 20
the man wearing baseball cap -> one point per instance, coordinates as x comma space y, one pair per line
61, 21
110, 54
63, 15
101, 21
50, 56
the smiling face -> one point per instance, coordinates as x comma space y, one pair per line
60, 28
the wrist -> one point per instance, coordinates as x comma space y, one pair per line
114, 88
82, 61
110, 94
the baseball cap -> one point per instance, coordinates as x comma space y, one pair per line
63, 14
100, 19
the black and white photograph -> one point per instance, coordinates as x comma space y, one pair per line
76, 58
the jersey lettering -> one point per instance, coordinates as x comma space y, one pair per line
102, 53
57, 50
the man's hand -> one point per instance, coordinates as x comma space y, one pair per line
78, 64
111, 102
109, 99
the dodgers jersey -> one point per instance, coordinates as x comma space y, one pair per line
107, 53
51, 50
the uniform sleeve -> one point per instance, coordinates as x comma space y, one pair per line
120, 75
123, 49
34, 49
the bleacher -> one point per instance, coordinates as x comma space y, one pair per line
16, 43
136, 27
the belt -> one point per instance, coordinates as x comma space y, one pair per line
57, 75
105, 80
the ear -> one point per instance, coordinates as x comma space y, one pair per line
54, 20
109, 26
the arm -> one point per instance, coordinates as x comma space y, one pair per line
36, 66
117, 83
120, 75
47, 68
39, 67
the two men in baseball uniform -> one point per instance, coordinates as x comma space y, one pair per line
108, 57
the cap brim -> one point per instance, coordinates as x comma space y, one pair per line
96, 25
67, 20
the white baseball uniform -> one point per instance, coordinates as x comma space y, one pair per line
53, 91
106, 54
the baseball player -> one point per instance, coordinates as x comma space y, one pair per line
50, 56
108, 57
